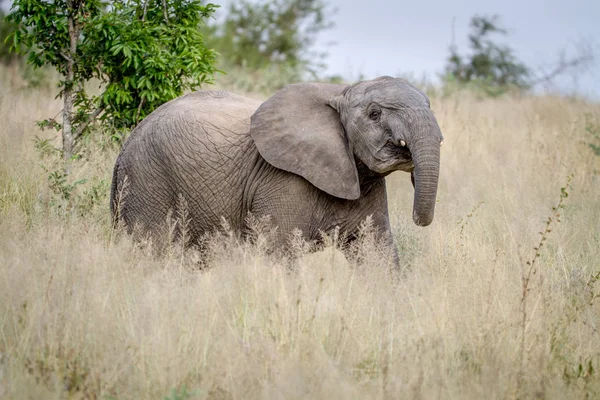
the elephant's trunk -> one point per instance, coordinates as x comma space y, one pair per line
426, 158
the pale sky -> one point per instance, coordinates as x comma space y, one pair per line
392, 37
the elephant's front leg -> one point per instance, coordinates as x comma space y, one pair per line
374, 204
388, 239
382, 222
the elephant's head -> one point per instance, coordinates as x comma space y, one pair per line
320, 131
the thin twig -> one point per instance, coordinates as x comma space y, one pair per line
66, 57
453, 43
139, 110
531, 269
585, 57
57, 114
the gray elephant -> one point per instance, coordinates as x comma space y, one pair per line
313, 156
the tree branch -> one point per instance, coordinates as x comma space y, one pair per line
165, 11
137, 114
90, 119
585, 57
66, 57
145, 10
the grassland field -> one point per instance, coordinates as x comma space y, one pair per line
477, 310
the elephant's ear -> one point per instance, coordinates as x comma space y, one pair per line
298, 131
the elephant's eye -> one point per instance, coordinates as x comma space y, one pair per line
374, 115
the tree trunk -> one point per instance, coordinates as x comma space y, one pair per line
67, 128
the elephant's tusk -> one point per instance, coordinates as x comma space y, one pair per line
441, 143
402, 143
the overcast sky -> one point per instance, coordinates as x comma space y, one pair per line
391, 37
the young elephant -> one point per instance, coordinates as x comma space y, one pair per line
313, 156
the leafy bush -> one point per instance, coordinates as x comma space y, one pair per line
491, 66
592, 127
148, 55
6, 29
144, 52
15, 63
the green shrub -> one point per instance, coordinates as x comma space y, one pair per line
145, 53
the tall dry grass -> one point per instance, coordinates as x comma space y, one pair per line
85, 313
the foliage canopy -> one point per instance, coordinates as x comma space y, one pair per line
489, 62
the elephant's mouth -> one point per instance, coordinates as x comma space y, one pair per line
403, 157
393, 158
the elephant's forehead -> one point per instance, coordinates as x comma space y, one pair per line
391, 93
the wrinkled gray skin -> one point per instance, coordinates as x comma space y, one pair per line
313, 156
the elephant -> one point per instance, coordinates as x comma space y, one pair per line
313, 157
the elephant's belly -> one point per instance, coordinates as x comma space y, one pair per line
292, 203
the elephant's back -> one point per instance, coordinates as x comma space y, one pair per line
196, 146
201, 114
202, 134
203, 128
